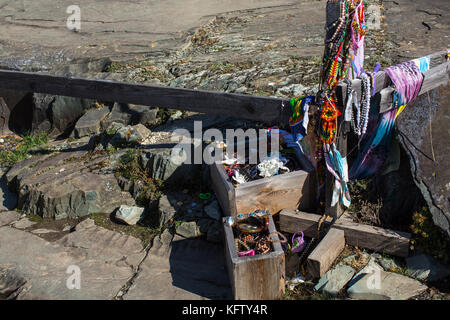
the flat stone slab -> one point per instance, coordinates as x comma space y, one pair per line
130, 23
334, 280
42, 231
8, 217
23, 223
90, 123
181, 269
38, 269
373, 283
66, 185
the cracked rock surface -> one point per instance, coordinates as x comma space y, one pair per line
38, 270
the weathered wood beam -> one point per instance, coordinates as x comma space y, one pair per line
266, 109
374, 238
356, 234
435, 76
291, 221
323, 256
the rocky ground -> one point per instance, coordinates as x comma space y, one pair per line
60, 192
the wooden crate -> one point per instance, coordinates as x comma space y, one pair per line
293, 190
260, 277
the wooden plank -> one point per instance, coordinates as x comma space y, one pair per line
382, 80
323, 256
374, 238
433, 78
290, 190
356, 234
224, 189
260, 277
291, 222
266, 109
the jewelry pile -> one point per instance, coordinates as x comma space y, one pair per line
251, 233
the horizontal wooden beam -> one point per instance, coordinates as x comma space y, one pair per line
434, 77
266, 109
291, 221
374, 238
356, 234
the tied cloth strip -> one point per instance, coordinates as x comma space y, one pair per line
339, 169
407, 79
299, 119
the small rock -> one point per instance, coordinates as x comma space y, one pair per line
129, 214
8, 217
295, 90
177, 115
66, 228
90, 122
166, 210
23, 223
85, 224
130, 134
388, 264
426, 268
42, 231
188, 230
334, 280
213, 210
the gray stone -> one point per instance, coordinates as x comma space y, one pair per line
213, 210
382, 285
177, 268
167, 209
130, 135
23, 223
10, 283
66, 111
129, 215
388, 264
426, 268
42, 231
188, 230
120, 113
66, 184
90, 122
159, 165
8, 217
335, 279
295, 90
145, 115
38, 269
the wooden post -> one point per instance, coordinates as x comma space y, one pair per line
323, 256
356, 234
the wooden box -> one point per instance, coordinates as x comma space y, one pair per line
260, 277
293, 190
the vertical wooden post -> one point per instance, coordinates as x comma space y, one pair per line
332, 15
